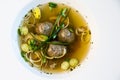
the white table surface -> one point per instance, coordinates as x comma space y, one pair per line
104, 65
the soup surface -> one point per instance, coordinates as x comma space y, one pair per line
54, 37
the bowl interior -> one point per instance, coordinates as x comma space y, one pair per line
73, 3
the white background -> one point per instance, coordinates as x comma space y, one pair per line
103, 65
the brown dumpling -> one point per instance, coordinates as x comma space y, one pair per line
65, 35
44, 28
56, 51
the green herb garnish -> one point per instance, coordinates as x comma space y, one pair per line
58, 43
52, 5
23, 55
54, 35
64, 12
19, 32
43, 59
33, 44
67, 59
71, 29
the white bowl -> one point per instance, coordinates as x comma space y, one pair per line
73, 3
